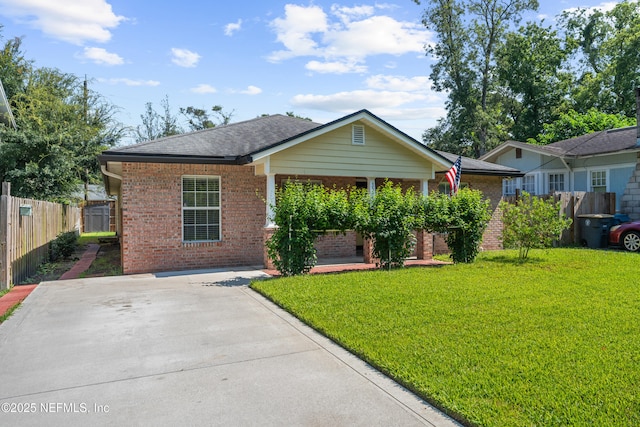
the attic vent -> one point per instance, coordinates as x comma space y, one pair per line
518, 153
357, 135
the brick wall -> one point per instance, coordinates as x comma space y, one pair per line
152, 218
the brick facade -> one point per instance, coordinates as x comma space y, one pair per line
152, 218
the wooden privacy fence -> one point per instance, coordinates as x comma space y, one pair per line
25, 236
579, 203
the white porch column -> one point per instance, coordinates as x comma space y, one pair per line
424, 183
271, 199
371, 186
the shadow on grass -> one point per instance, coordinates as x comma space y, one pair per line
513, 260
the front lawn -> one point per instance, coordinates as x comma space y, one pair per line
553, 341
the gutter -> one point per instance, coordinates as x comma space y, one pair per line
155, 158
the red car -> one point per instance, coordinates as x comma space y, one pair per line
626, 235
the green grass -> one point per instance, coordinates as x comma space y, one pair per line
8, 313
86, 238
554, 341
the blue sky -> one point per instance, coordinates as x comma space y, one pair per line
319, 59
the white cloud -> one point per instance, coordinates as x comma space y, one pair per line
231, 28
184, 57
356, 100
74, 21
346, 14
295, 31
399, 83
348, 36
129, 82
336, 67
204, 88
251, 90
101, 56
602, 7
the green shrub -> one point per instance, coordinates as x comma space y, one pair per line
470, 216
63, 246
531, 222
388, 219
302, 213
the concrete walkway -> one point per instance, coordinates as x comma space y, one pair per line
184, 349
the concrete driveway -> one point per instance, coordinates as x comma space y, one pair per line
183, 349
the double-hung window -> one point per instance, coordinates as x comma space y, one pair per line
509, 187
556, 182
200, 208
529, 184
599, 181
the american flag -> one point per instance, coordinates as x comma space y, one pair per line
453, 175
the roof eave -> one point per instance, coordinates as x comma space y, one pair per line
170, 158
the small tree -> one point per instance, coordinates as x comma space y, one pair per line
532, 223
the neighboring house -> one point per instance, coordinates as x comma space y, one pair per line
605, 161
98, 209
203, 199
6, 116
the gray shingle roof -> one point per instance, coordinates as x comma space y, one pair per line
231, 141
479, 167
606, 141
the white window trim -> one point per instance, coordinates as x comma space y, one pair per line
182, 207
606, 177
556, 172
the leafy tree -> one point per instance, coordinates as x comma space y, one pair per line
469, 33
540, 84
62, 126
199, 119
14, 67
531, 222
572, 124
609, 47
156, 125
296, 116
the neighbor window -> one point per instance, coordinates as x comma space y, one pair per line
529, 184
508, 187
445, 187
599, 181
556, 182
200, 208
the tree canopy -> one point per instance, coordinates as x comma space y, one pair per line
525, 82
62, 126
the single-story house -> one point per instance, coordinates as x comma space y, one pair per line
605, 161
203, 199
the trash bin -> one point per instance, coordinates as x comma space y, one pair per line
594, 230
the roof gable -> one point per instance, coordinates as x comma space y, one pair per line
597, 143
362, 116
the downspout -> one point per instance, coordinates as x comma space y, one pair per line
104, 170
